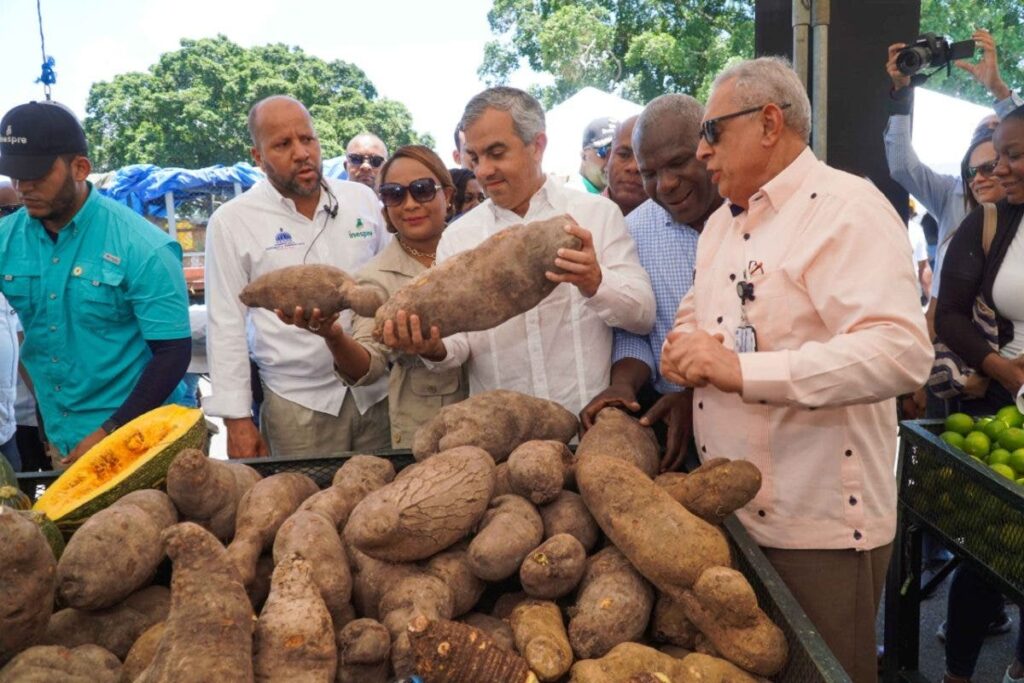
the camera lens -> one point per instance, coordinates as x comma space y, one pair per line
912, 59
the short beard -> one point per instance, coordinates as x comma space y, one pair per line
292, 184
63, 203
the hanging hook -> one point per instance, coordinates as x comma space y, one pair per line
48, 76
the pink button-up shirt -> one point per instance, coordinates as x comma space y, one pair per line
839, 333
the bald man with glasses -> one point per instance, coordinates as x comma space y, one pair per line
364, 155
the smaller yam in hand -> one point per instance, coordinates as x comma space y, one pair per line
311, 286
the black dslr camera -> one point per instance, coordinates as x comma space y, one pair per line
932, 50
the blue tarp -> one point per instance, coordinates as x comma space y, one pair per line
143, 187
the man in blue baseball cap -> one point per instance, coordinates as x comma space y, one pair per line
99, 290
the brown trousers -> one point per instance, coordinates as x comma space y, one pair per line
293, 430
839, 590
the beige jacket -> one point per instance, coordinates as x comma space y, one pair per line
415, 394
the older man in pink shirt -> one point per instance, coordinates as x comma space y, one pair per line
802, 326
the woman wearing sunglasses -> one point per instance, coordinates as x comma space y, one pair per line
996, 274
416, 190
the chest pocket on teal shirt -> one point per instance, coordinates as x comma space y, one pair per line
21, 289
96, 295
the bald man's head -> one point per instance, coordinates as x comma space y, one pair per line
269, 106
285, 146
364, 155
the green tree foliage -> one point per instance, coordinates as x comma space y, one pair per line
1004, 19
639, 48
190, 108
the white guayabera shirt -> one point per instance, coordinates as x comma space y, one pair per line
560, 350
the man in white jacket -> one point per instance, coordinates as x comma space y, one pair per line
295, 216
561, 349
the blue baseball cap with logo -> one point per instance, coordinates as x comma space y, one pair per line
33, 135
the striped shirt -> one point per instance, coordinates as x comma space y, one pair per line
668, 252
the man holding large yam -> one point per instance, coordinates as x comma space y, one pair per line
802, 326
296, 216
560, 349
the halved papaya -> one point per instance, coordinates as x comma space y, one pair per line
136, 456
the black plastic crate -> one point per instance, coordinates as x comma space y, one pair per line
810, 660
964, 502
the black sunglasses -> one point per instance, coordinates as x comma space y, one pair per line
422, 190
374, 160
985, 170
709, 129
8, 209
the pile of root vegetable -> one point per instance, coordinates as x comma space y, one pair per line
499, 556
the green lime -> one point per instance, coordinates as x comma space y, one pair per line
961, 423
1011, 416
1016, 461
954, 439
1004, 470
994, 428
977, 443
1011, 438
999, 456
982, 421
1021, 481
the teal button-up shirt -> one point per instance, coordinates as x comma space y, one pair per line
88, 302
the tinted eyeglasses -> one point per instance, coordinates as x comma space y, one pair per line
709, 130
985, 170
8, 209
422, 190
480, 197
602, 151
374, 160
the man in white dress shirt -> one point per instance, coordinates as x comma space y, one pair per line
561, 349
295, 216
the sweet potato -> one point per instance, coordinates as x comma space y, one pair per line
452, 567
619, 435
483, 287
723, 606
451, 652
311, 286
48, 663
612, 606
363, 649
28, 574
666, 543
541, 638
207, 491
208, 636
554, 568
423, 513
568, 514
115, 628
498, 629
142, 652
115, 553
294, 639
628, 659
496, 421
261, 512
669, 623
509, 530
714, 490
538, 470
315, 539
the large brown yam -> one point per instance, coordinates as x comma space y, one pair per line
714, 490
115, 628
452, 567
208, 636
207, 491
426, 511
723, 606
311, 286
28, 574
618, 435
539, 470
666, 543
612, 606
509, 530
452, 652
115, 553
315, 539
483, 287
496, 421
363, 649
626, 660
261, 512
568, 514
49, 663
554, 568
294, 638
541, 639
360, 475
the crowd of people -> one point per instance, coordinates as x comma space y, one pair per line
732, 291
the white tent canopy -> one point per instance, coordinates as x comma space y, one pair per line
566, 121
943, 126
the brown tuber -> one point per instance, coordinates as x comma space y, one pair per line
310, 286
714, 490
509, 530
28, 574
568, 514
541, 638
115, 628
618, 435
538, 470
554, 568
363, 649
48, 663
206, 491
451, 652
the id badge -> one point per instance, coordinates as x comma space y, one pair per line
746, 339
